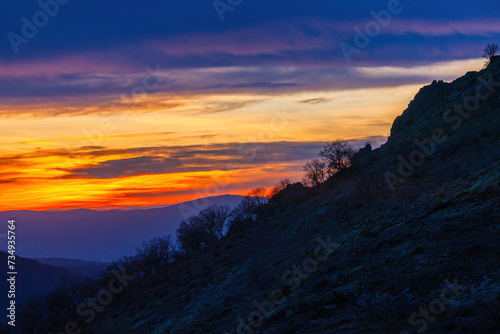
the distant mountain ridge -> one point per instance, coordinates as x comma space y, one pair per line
101, 236
80, 267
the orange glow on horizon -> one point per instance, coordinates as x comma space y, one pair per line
168, 149
134, 191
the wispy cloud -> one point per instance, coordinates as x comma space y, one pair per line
100, 162
205, 91
431, 27
316, 100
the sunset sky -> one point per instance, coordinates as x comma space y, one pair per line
109, 104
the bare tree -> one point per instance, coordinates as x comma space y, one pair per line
490, 51
279, 187
214, 219
240, 219
191, 235
155, 254
260, 195
205, 228
128, 263
315, 172
338, 154
237, 216
252, 204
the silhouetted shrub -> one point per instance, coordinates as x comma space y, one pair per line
338, 155
315, 172
205, 228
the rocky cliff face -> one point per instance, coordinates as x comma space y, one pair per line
456, 107
354, 256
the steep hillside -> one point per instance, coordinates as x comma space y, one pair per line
387, 247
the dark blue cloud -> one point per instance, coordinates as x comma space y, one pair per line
96, 25
101, 47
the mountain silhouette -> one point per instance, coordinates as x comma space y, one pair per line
101, 236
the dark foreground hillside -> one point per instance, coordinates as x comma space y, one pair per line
405, 241
36, 280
